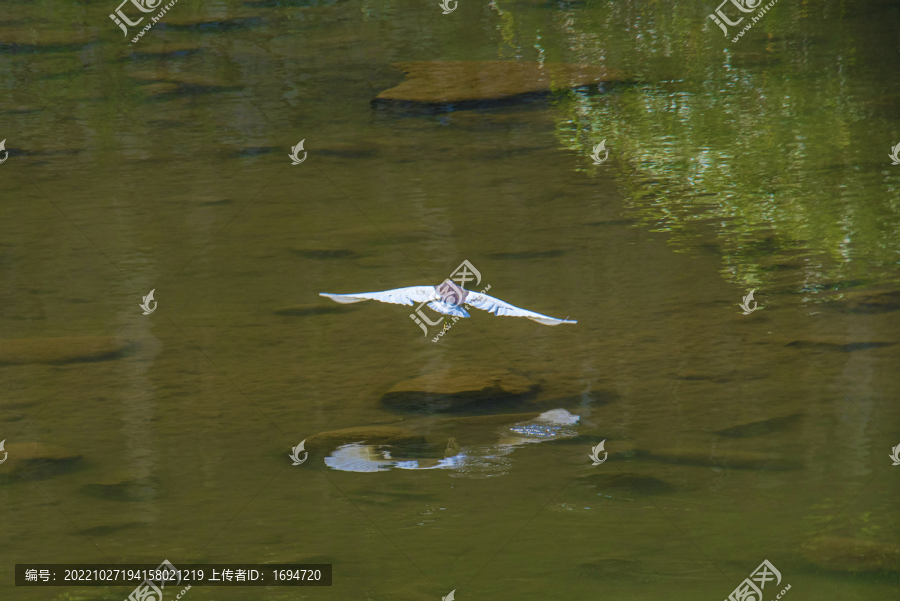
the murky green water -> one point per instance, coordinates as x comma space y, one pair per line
161, 165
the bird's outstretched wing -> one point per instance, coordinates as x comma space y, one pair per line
398, 296
501, 308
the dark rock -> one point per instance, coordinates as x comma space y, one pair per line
135, 490
767, 426
371, 435
183, 78
488, 420
313, 309
634, 484
159, 89
870, 304
596, 398
436, 82
464, 390
726, 459
60, 350
843, 348
36, 460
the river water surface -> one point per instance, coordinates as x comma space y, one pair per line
161, 164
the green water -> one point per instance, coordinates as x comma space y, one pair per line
758, 164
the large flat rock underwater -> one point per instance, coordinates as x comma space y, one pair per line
61, 350
475, 83
371, 435
472, 390
36, 460
723, 458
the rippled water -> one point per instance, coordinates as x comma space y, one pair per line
760, 164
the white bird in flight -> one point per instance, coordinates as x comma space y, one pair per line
447, 298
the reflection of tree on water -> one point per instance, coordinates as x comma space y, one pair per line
482, 461
764, 152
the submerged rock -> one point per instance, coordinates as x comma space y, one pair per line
634, 484
312, 309
871, 304
841, 348
728, 459
72, 349
434, 82
185, 79
488, 421
121, 490
766, 426
159, 89
371, 435
36, 459
458, 390
852, 555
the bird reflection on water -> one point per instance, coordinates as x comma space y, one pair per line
484, 461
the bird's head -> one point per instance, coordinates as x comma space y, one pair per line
451, 293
